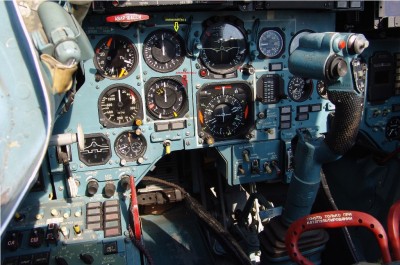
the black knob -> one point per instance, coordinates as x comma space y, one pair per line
86, 258
60, 261
109, 190
92, 187
125, 182
337, 68
248, 69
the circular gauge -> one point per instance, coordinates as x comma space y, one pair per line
166, 98
223, 116
392, 131
96, 150
119, 105
164, 50
322, 90
294, 43
271, 43
130, 146
115, 57
224, 48
299, 89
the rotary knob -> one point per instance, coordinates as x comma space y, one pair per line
92, 187
109, 189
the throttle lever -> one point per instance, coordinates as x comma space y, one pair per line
334, 219
328, 56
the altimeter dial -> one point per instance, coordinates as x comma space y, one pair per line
119, 105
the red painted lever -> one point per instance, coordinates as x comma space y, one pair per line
128, 18
393, 229
137, 231
334, 219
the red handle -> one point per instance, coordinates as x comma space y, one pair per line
393, 229
334, 219
137, 231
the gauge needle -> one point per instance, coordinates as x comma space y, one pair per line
122, 73
165, 94
119, 95
162, 45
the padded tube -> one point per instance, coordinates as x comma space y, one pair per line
342, 135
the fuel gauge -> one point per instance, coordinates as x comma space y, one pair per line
130, 146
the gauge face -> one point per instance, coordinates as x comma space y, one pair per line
223, 116
392, 131
271, 43
130, 146
299, 89
225, 110
322, 90
294, 43
223, 48
97, 150
119, 105
166, 98
115, 57
164, 51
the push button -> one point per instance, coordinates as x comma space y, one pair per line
13, 241
36, 237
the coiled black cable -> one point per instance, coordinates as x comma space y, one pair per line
224, 237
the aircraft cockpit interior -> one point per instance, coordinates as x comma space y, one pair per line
199, 132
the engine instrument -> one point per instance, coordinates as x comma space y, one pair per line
224, 47
271, 43
116, 57
225, 110
163, 50
299, 89
130, 146
166, 98
119, 105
